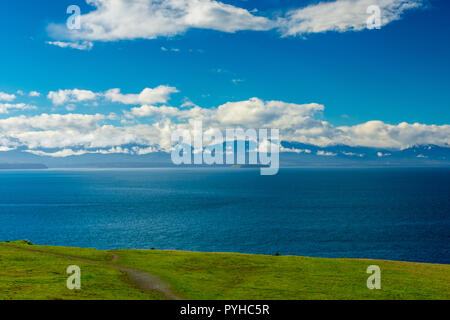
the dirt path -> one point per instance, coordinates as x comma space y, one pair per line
115, 257
146, 281
143, 280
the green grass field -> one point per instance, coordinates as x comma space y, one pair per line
39, 272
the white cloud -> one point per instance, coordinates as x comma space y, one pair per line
382, 135
7, 97
148, 19
381, 154
299, 123
51, 122
114, 20
75, 95
5, 149
5, 107
159, 94
326, 154
294, 150
57, 154
352, 154
148, 111
64, 153
341, 15
252, 113
256, 113
267, 146
34, 94
150, 126
79, 45
75, 130
143, 151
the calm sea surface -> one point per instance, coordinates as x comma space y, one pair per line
398, 214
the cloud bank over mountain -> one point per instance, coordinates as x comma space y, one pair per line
146, 120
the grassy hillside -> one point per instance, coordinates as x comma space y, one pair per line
34, 275
40, 274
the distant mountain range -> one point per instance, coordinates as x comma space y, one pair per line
292, 155
20, 166
342, 155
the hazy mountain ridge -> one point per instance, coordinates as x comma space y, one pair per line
292, 154
425, 155
21, 166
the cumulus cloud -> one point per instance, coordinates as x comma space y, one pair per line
7, 97
149, 128
71, 95
159, 94
113, 20
52, 122
34, 94
5, 149
148, 19
300, 123
6, 107
273, 114
177, 114
252, 113
342, 15
75, 131
383, 135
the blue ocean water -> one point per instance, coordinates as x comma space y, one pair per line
398, 214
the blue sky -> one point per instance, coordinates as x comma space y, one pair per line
399, 73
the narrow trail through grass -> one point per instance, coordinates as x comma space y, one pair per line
143, 280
